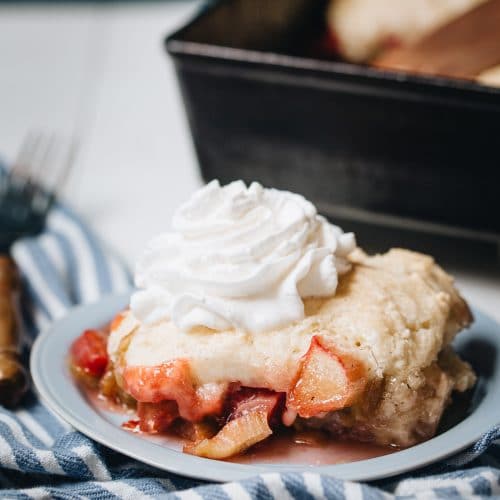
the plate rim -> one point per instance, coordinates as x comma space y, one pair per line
220, 471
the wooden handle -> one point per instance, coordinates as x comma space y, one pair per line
13, 376
462, 48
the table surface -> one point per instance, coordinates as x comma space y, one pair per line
100, 71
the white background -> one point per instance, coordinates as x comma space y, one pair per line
101, 71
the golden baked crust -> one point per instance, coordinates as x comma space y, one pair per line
396, 311
387, 330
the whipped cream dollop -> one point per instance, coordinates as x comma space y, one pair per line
240, 257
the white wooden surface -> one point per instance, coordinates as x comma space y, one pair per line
101, 70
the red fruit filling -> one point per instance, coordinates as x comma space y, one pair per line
222, 419
89, 354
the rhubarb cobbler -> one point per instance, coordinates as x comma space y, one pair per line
255, 314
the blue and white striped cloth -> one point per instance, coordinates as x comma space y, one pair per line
43, 457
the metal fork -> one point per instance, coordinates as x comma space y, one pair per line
28, 189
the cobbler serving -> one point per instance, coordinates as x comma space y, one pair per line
256, 314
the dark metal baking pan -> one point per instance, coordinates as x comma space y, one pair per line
359, 142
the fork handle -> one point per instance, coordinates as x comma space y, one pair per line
13, 376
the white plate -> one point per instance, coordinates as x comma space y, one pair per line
57, 388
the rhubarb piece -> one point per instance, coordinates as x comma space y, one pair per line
211, 398
88, 354
248, 400
131, 425
156, 417
173, 381
168, 381
326, 381
234, 438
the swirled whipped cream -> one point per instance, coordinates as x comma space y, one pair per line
239, 257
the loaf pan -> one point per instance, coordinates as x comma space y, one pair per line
360, 143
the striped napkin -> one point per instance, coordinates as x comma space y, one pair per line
43, 457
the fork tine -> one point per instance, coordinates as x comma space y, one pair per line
29, 188
64, 172
22, 164
42, 166
43, 162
